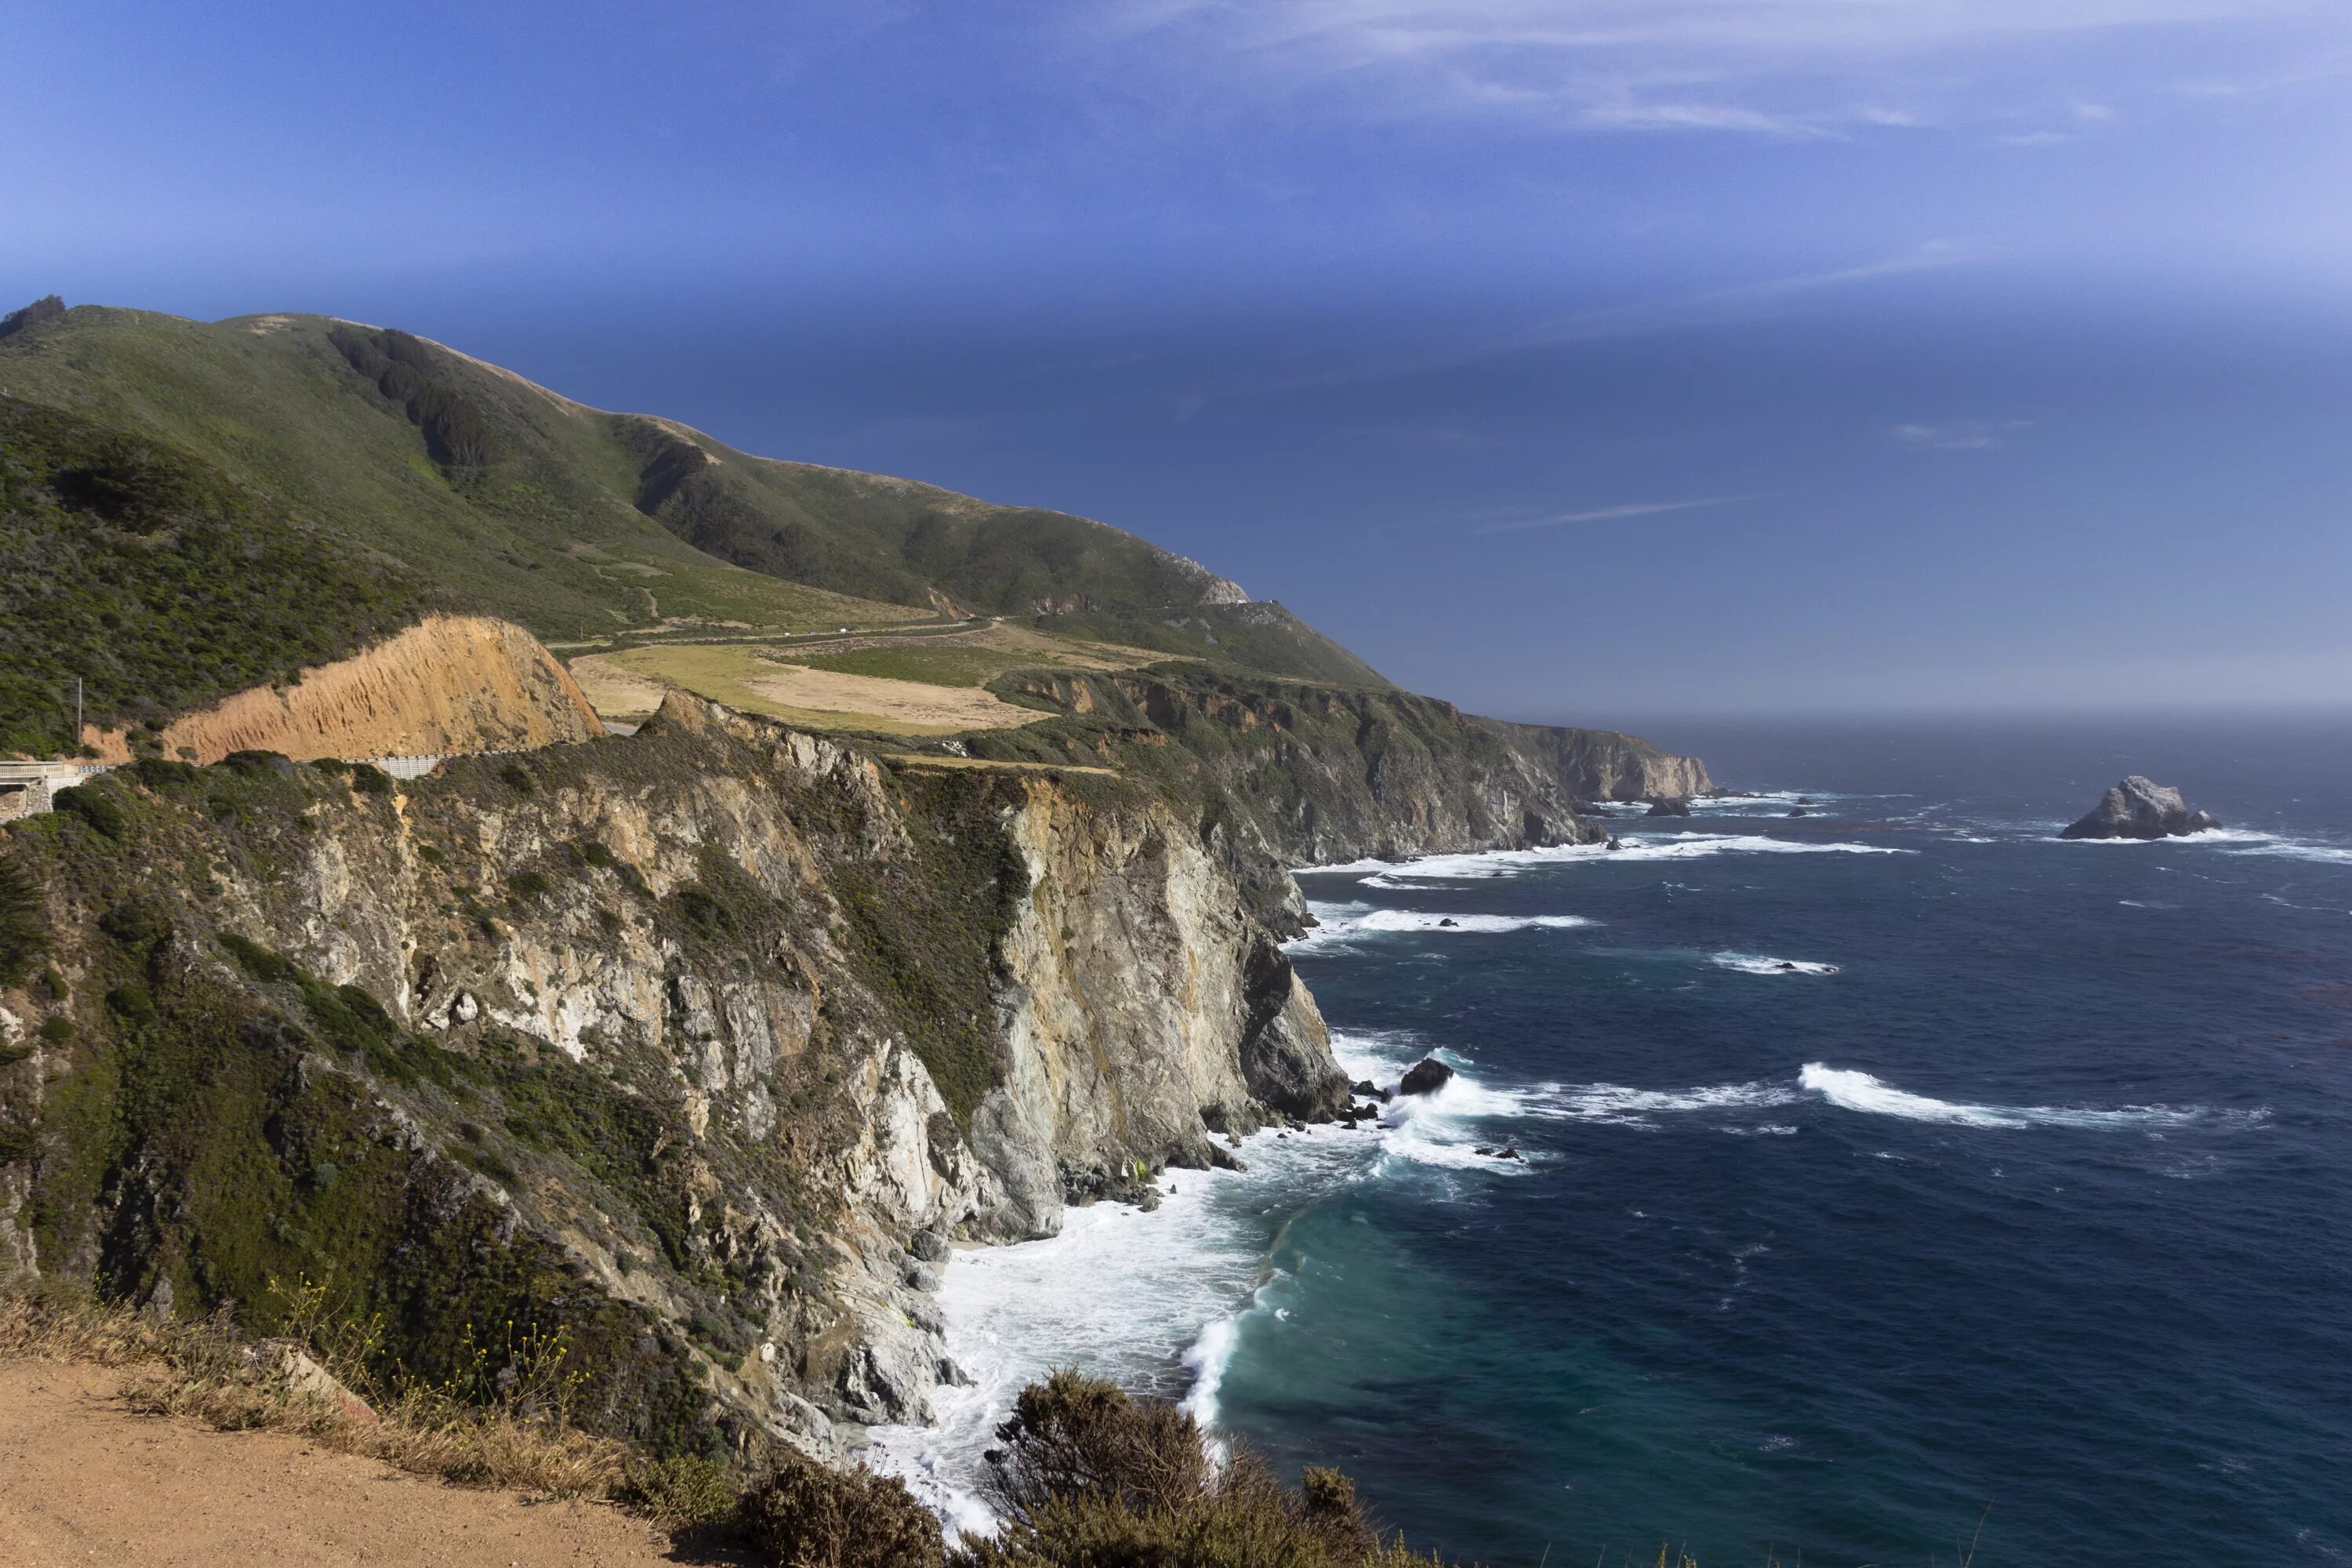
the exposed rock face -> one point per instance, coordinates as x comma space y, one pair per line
2140, 808
700, 1043
1426, 1076
1673, 806
449, 684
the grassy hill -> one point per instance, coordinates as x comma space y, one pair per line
476, 490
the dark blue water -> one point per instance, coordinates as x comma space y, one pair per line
2028, 1200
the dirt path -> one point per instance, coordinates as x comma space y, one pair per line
83, 1481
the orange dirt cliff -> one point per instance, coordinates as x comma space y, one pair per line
448, 684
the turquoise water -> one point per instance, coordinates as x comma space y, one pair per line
2025, 1198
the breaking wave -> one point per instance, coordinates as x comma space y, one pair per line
1756, 963
1858, 1091
1338, 924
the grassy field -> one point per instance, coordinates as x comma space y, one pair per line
745, 675
927, 683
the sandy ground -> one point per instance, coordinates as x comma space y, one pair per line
908, 703
615, 693
83, 1480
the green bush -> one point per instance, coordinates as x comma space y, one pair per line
806, 1516
57, 1030
130, 1003
687, 1492
160, 772
95, 804
1092, 1477
369, 779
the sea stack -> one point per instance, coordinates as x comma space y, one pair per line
1428, 1076
1670, 808
2141, 809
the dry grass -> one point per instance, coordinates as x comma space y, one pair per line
205, 1371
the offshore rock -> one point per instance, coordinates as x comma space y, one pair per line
2140, 808
1426, 1076
1669, 808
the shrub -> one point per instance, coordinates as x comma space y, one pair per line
687, 1492
159, 772
517, 778
135, 925
1078, 1437
527, 887
57, 1030
369, 779
130, 1003
809, 1517
96, 805
1092, 1477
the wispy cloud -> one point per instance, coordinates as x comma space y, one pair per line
1742, 300
1605, 514
1801, 68
1959, 435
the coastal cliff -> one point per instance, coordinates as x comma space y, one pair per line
702, 1044
1314, 775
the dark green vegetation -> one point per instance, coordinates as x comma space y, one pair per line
499, 495
926, 932
132, 562
1089, 1475
40, 310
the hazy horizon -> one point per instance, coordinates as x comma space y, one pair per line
1564, 359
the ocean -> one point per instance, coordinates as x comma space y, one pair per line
1893, 1177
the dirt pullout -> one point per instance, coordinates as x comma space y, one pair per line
451, 683
84, 1481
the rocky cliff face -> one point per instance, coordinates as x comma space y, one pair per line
702, 1044
1314, 775
451, 683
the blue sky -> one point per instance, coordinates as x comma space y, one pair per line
1569, 358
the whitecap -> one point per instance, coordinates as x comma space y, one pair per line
1858, 1091
1758, 963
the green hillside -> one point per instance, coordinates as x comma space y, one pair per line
498, 495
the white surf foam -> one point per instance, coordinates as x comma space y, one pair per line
2238, 841
1616, 1105
1677, 847
1858, 1091
1341, 925
1758, 963
1154, 1301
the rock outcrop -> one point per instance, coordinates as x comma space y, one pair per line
1426, 1076
2140, 808
700, 1045
448, 684
1675, 805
